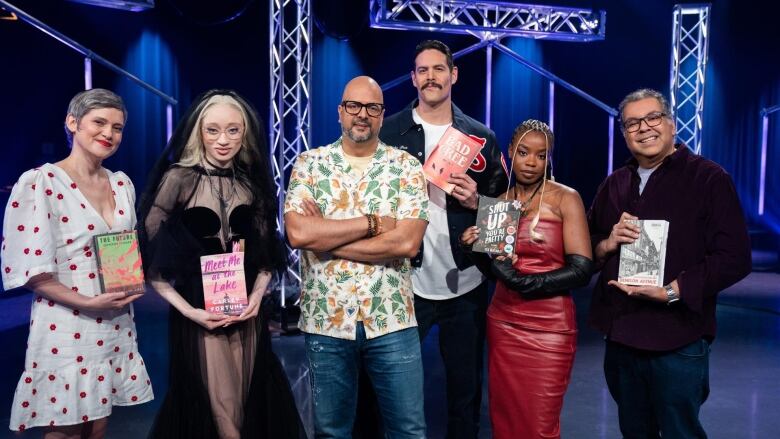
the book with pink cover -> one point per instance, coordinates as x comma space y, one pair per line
224, 284
453, 154
119, 263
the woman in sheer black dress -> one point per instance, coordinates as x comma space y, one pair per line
212, 188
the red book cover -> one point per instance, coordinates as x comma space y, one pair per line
453, 154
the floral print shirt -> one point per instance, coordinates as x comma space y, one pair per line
334, 292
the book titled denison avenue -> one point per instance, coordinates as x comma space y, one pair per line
224, 284
453, 154
497, 220
642, 261
119, 263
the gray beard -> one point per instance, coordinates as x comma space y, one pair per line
355, 138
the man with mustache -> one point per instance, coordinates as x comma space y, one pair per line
449, 290
358, 210
658, 339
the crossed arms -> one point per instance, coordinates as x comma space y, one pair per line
347, 238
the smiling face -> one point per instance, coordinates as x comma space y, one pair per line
98, 133
222, 129
361, 128
529, 158
433, 78
649, 145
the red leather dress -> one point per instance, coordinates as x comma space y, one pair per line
531, 344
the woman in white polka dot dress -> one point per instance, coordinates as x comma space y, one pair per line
82, 356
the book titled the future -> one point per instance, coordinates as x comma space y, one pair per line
497, 220
119, 263
453, 154
642, 261
224, 284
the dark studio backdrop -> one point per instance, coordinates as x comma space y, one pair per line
186, 47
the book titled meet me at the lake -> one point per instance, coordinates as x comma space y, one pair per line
497, 220
119, 263
453, 154
224, 284
642, 262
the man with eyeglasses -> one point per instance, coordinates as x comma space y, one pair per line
658, 337
358, 210
449, 290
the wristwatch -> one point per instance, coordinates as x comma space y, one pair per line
671, 295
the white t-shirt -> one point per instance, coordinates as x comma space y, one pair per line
644, 175
439, 278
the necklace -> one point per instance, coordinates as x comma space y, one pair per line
224, 201
218, 192
525, 204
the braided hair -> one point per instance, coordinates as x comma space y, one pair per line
528, 126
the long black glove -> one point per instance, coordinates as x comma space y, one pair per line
574, 274
481, 260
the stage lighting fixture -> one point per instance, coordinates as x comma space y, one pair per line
127, 5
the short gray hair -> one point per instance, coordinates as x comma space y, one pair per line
89, 100
644, 93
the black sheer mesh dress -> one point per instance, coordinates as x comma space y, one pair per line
225, 383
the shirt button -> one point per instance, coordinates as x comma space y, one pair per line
419, 154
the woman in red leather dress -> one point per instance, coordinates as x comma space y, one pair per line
531, 325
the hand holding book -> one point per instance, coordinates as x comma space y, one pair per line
206, 319
649, 292
464, 190
625, 231
453, 155
469, 236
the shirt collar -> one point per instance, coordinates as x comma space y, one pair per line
337, 158
407, 122
680, 155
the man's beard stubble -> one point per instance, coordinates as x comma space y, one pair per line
356, 138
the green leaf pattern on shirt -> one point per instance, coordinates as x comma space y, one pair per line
334, 289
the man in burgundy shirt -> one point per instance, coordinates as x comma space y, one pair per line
658, 338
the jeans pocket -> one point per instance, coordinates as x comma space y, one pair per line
698, 349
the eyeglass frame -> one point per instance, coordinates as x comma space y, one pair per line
639, 121
362, 106
219, 133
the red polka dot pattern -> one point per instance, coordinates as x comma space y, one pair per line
73, 357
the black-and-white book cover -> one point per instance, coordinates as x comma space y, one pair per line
642, 262
497, 220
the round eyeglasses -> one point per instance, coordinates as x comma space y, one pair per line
232, 133
353, 108
652, 120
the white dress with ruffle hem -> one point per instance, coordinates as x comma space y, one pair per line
79, 363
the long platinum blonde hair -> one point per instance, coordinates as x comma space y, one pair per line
194, 150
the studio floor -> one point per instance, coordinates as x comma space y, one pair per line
744, 369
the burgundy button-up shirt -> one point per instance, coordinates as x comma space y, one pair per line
708, 249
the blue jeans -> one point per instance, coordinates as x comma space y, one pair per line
658, 394
394, 365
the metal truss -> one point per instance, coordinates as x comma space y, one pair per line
504, 18
690, 43
290, 51
764, 146
490, 22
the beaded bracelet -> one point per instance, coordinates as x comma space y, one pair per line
372, 226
